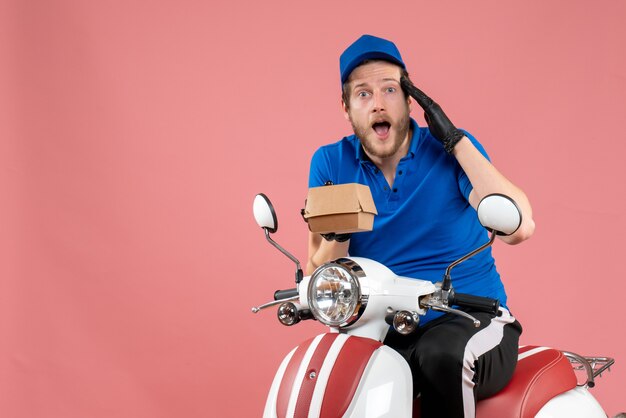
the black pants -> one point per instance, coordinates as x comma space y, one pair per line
455, 364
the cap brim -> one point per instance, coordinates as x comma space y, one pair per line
370, 55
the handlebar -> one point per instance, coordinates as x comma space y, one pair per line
478, 303
285, 294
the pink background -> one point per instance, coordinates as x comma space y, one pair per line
135, 134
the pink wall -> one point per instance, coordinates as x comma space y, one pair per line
136, 133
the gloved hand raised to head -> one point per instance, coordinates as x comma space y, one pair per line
439, 124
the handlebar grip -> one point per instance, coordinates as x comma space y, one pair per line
285, 294
478, 303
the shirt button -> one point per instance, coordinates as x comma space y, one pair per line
395, 190
400, 172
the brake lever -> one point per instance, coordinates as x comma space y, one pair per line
256, 309
437, 305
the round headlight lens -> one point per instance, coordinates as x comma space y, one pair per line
334, 295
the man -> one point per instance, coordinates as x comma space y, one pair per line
426, 183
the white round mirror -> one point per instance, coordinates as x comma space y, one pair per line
264, 213
499, 213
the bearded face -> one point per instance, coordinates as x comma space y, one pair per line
378, 109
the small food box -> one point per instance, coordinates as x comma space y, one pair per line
341, 208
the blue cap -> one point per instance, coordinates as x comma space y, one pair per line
367, 47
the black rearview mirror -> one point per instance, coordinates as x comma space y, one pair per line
264, 213
499, 213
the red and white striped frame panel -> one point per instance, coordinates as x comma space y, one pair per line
322, 375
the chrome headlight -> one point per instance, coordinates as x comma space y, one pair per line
334, 293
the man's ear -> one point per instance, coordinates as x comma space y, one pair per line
344, 106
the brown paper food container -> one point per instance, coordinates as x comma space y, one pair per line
341, 208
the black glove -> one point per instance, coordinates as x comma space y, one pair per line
331, 236
440, 126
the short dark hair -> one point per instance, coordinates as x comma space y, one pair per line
345, 88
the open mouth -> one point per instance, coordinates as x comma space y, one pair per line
381, 128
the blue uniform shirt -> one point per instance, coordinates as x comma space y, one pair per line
424, 220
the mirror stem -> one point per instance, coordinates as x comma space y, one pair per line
447, 280
299, 273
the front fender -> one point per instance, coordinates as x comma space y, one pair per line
340, 375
